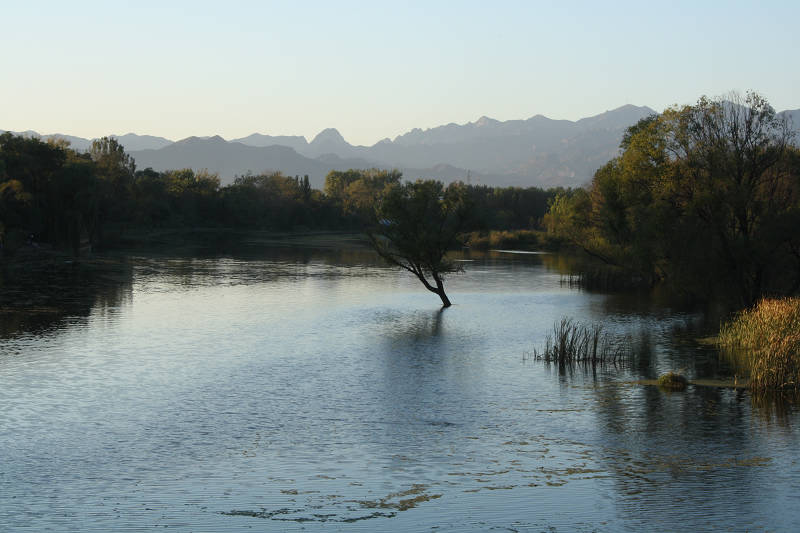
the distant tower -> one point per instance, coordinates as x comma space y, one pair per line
469, 177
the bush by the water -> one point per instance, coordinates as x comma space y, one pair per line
572, 342
764, 342
518, 239
599, 277
672, 381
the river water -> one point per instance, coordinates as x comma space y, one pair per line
300, 389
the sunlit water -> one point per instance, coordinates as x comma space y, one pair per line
316, 390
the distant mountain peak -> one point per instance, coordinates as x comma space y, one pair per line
206, 139
329, 135
485, 121
619, 118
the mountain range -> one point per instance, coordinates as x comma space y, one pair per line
538, 151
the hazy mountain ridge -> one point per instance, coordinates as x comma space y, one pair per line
297, 142
536, 151
230, 159
131, 141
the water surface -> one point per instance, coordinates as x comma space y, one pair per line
295, 389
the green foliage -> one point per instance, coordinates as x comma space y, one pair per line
270, 201
508, 208
416, 224
357, 191
45, 190
705, 197
65, 198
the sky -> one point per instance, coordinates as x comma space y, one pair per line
376, 69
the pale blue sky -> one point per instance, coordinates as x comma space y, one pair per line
376, 69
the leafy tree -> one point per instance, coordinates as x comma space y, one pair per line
30, 168
417, 223
356, 191
115, 170
703, 196
151, 198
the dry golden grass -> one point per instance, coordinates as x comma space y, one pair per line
764, 342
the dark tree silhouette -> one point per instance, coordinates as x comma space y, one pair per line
417, 223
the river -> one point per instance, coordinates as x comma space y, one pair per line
316, 389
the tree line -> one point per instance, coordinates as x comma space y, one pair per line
52, 194
704, 197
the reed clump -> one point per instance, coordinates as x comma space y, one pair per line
764, 343
571, 342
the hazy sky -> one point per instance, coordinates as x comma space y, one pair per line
376, 69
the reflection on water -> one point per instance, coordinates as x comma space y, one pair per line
295, 388
33, 300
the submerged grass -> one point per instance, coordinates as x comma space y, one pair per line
764, 343
571, 342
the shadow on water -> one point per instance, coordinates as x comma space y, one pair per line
778, 408
418, 327
661, 448
36, 299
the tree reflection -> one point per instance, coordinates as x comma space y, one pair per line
40, 297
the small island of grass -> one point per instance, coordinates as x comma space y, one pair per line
764, 343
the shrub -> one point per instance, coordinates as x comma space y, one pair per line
672, 381
518, 239
764, 342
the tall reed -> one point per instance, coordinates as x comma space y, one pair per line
571, 342
764, 342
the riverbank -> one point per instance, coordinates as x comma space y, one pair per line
181, 240
191, 238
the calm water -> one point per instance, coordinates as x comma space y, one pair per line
317, 390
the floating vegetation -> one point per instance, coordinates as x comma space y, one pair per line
280, 514
713, 383
401, 501
764, 343
571, 342
672, 381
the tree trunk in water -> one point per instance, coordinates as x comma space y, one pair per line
440, 290
445, 299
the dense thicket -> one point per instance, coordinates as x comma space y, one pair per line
705, 197
66, 198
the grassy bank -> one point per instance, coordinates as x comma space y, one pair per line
764, 343
181, 241
214, 237
523, 239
